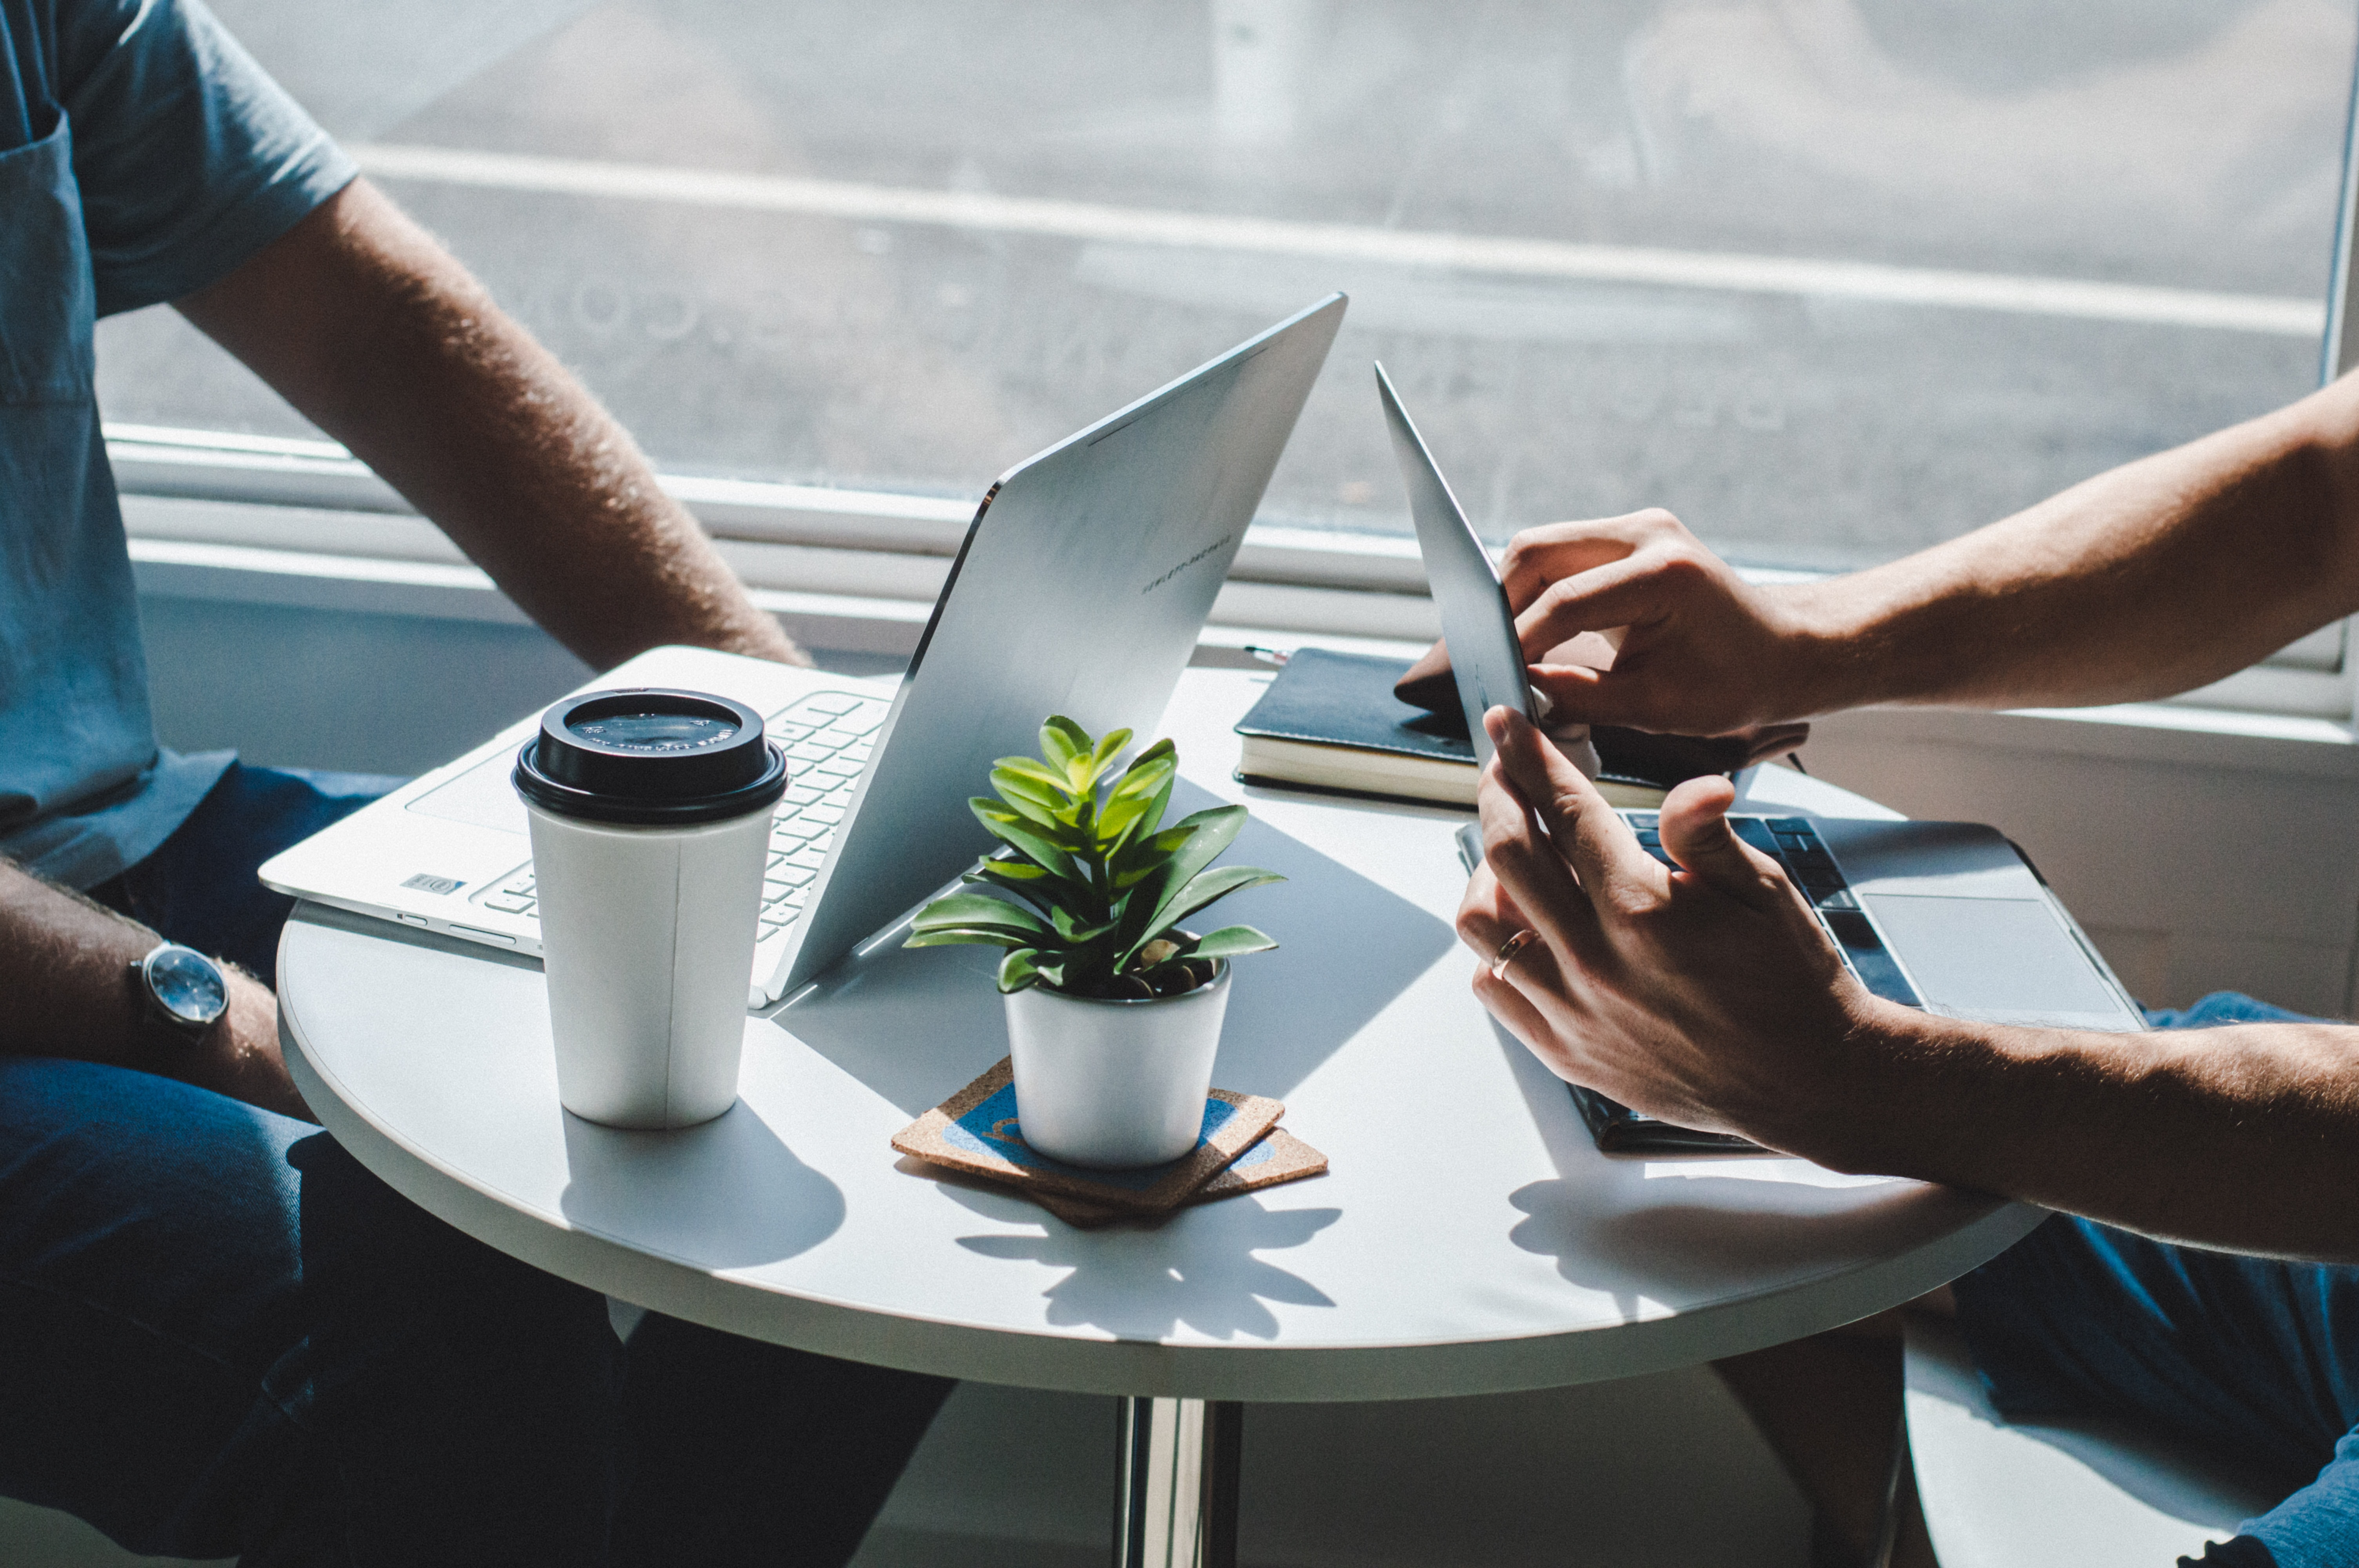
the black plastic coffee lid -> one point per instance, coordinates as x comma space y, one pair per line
646, 755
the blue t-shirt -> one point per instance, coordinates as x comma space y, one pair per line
143, 156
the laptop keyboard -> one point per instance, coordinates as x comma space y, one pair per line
1795, 844
827, 738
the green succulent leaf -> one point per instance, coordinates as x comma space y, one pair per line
972, 936
1196, 839
1024, 968
1038, 887
1018, 969
1228, 942
1024, 834
1217, 883
1063, 742
1107, 750
1043, 816
1038, 775
1077, 930
1196, 893
977, 910
1207, 834
1136, 804
999, 871
1090, 883
1144, 855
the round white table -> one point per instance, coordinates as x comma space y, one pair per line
1467, 1238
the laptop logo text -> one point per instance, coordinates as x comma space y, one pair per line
424, 882
1219, 544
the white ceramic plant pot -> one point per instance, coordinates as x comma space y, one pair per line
1115, 1084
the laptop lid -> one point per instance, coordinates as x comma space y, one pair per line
1484, 653
1080, 588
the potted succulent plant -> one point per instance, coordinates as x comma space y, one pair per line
1114, 1011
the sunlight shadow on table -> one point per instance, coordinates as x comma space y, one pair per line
1625, 1229
915, 1025
1644, 1227
1139, 1284
727, 1195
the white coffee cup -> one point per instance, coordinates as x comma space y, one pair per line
650, 819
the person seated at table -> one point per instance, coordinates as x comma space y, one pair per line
2199, 1276
218, 1334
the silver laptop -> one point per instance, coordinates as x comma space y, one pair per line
1080, 588
1947, 916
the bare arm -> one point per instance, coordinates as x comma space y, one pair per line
1709, 996
2158, 577
65, 969
366, 325
2244, 1137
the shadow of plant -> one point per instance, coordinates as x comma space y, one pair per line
1198, 1269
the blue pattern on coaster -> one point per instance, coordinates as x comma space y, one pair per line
1265, 1150
991, 1128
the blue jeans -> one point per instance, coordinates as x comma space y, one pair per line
2248, 1356
219, 1334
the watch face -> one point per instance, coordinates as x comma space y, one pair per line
188, 985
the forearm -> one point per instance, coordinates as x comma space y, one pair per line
65, 970
376, 334
2245, 1138
2153, 579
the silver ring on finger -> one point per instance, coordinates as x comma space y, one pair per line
1510, 951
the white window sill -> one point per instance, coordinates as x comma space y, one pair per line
301, 523
185, 569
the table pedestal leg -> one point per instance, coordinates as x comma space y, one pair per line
1176, 1483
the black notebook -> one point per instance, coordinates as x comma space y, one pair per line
1617, 1130
1330, 722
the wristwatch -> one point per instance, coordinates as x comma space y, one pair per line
180, 987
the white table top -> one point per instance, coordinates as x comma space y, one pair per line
1467, 1238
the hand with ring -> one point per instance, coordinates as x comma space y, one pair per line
1510, 951
1707, 996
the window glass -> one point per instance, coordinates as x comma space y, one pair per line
1830, 278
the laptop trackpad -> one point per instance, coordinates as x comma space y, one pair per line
482, 796
2000, 959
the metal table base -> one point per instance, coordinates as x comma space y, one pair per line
1175, 1480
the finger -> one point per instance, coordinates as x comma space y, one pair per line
1694, 825
1532, 1003
1530, 872
1487, 916
1534, 971
1583, 830
1538, 557
1627, 592
1515, 1011
1594, 649
1580, 695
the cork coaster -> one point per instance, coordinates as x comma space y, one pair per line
1279, 1158
976, 1131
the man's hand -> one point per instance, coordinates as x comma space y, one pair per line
1693, 649
1708, 996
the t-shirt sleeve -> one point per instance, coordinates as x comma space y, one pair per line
188, 156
